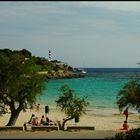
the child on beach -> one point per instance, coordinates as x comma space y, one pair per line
125, 126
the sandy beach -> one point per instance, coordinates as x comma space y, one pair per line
105, 125
97, 134
100, 122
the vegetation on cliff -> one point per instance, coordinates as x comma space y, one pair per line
50, 69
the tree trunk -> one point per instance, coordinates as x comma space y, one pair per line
64, 122
59, 124
13, 117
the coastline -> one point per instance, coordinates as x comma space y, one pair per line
57, 76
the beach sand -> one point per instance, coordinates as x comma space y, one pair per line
105, 123
97, 134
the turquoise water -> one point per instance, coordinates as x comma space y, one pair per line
100, 86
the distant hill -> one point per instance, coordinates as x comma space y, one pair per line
50, 69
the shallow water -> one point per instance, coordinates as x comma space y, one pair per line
101, 86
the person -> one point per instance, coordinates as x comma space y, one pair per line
35, 121
47, 119
38, 107
126, 113
27, 125
125, 126
42, 121
138, 109
50, 122
31, 119
47, 122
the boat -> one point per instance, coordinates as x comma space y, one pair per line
80, 70
83, 71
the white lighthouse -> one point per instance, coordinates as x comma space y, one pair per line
50, 56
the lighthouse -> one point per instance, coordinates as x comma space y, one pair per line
49, 56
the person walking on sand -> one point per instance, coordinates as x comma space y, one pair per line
38, 107
126, 113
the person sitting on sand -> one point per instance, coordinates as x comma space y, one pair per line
48, 121
125, 126
35, 121
42, 121
29, 123
31, 119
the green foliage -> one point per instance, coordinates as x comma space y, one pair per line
71, 105
23, 52
128, 135
19, 82
129, 95
7, 52
23, 73
46, 65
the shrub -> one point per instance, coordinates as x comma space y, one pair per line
131, 134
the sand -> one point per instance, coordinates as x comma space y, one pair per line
97, 134
100, 122
105, 125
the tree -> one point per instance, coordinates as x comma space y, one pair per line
23, 52
8, 52
19, 83
71, 105
129, 95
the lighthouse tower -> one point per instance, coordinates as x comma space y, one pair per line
49, 56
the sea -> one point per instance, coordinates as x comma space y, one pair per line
100, 85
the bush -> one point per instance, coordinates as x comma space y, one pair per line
131, 134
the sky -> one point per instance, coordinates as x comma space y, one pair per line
97, 34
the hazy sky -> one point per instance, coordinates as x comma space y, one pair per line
83, 34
